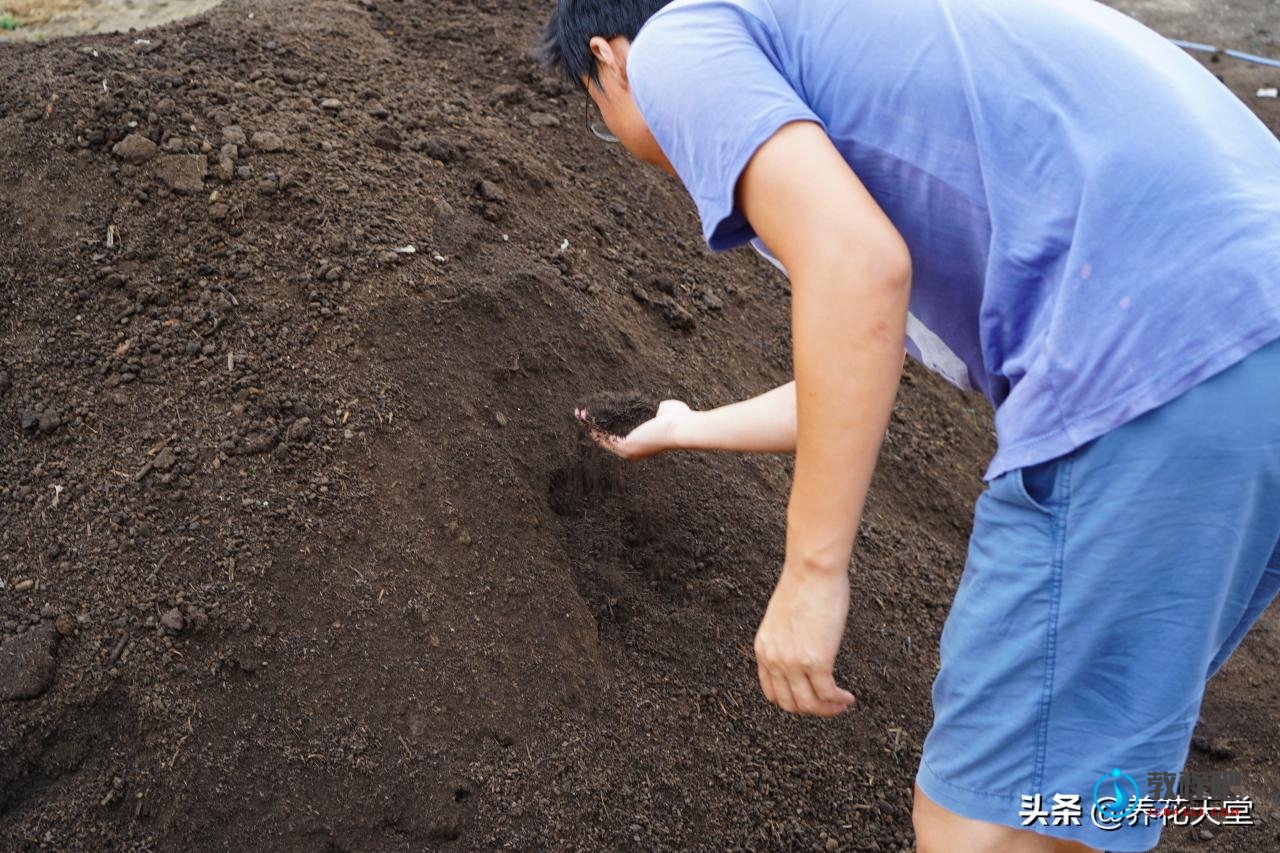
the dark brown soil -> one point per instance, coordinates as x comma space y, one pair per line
619, 413
330, 564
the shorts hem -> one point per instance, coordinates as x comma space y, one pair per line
1003, 810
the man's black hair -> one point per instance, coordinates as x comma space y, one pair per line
565, 42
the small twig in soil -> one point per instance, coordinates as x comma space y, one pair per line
117, 650
230, 295
217, 323
181, 741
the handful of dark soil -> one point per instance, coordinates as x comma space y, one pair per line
619, 413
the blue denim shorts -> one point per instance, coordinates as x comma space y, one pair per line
1102, 589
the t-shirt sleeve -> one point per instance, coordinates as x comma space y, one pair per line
712, 85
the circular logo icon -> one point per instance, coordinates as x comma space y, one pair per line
1120, 800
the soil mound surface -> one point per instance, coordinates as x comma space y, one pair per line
301, 546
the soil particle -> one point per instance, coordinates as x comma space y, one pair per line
661, 296
619, 413
258, 441
507, 93
442, 209
437, 148
387, 138
44, 420
489, 191
27, 663
1215, 748
164, 460
266, 141
299, 431
183, 173
135, 149
172, 621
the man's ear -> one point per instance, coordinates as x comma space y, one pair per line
603, 52
611, 55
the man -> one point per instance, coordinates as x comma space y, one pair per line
1049, 203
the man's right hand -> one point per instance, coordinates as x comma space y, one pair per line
659, 433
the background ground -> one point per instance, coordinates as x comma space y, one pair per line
299, 544
41, 19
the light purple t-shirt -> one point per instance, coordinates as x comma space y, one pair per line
1093, 219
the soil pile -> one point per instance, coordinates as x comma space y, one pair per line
300, 544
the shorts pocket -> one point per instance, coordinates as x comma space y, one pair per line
1033, 486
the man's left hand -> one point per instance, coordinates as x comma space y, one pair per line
797, 642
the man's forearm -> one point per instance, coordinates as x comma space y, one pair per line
850, 275
762, 424
849, 320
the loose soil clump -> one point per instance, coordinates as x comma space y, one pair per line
619, 413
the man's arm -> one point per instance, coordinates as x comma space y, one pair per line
850, 282
765, 423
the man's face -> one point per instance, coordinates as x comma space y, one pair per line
612, 95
